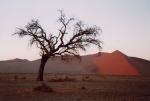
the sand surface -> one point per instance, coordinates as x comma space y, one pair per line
20, 87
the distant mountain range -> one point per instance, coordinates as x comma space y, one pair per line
115, 63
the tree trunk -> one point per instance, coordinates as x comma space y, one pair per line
41, 69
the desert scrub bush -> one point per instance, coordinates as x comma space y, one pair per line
43, 88
56, 80
16, 77
23, 78
86, 78
83, 88
66, 78
69, 79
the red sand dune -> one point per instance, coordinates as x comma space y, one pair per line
114, 63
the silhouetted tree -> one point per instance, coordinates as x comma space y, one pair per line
60, 45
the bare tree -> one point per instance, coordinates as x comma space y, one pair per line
58, 45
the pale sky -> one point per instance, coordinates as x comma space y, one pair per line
125, 24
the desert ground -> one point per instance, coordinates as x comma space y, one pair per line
67, 87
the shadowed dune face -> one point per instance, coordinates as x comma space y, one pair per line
143, 66
114, 63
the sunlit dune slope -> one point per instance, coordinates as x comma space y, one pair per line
114, 63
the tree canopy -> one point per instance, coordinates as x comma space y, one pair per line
51, 45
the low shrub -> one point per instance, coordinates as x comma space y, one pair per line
69, 79
43, 88
23, 78
62, 79
16, 77
83, 88
86, 78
